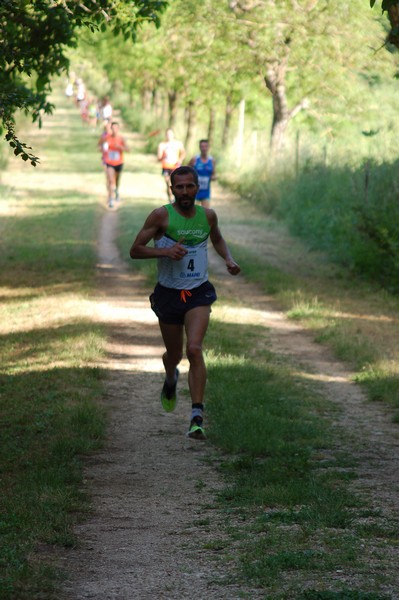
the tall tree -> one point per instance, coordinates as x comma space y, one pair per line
304, 49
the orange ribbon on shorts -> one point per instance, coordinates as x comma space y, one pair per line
183, 294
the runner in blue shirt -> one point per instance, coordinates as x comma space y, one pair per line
204, 164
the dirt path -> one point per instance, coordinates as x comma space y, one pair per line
150, 484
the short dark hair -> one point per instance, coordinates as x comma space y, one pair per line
184, 170
203, 141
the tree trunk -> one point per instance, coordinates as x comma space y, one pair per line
393, 15
146, 99
240, 133
172, 107
275, 83
190, 123
156, 102
227, 120
211, 125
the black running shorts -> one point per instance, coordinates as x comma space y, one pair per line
117, 168
171, 305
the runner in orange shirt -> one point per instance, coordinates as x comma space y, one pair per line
113, 147
171, 154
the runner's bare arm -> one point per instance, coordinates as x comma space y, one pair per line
192, 162
153, 228
219, 243
161, 150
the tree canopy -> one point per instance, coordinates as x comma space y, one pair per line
297, 55
34, 38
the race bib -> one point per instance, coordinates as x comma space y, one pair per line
114, 155
192, 266
203, 182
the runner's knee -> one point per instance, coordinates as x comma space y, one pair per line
194, 351
174, 356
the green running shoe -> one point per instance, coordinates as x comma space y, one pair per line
169, 396
196, 431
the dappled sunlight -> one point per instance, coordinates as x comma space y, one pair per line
136, 359
45, 312
241, 315
113, 312
321, 377
92, 184
364, 317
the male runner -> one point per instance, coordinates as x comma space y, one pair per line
183, 295
171, 154
113, 147
204, 164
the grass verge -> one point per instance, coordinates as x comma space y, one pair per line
49, 348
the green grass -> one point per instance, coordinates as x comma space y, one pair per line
132, 219
289, 509
49, 346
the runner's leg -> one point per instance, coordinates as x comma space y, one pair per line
117, 182
196, 323
173, 339
110, 183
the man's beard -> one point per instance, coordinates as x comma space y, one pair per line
188, 206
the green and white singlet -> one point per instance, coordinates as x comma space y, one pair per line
192, 270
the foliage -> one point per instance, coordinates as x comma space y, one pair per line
34, 37
212, 54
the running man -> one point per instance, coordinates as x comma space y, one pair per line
183, 296
171, 154
113, 145
204, 164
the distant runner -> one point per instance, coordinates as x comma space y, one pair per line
183, 295
171, 154
113, 146
204, 164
